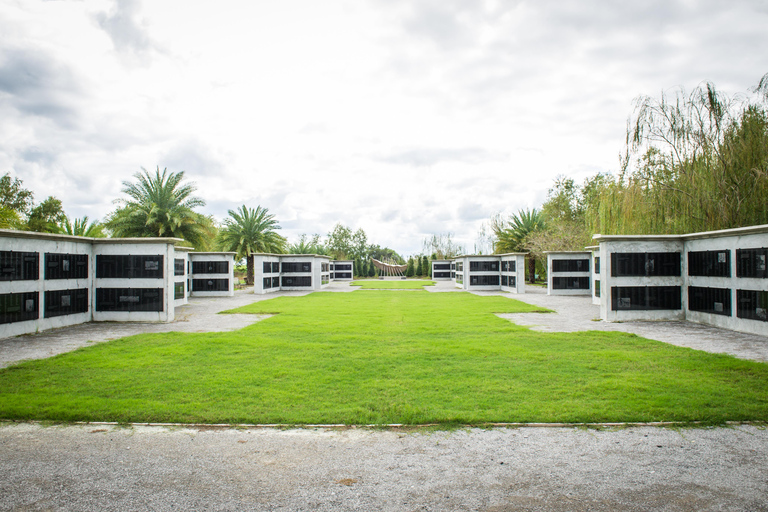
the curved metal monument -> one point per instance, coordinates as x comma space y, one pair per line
388, 269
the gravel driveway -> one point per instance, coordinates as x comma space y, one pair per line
552, 469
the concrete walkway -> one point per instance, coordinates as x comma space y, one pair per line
200, 315
575, 313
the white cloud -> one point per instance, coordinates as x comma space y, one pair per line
401, 117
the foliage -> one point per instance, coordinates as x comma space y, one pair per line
81, 227
46, 217
160, 205
426, 266
564, 214
442, 247
485, 240
693, 162
307, 246
409, 269
385, 357
247, 231
15, 202
515, 234
339, 242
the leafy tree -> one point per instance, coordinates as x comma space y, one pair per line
371, 269
247, 231
419, 269
339, 242
693, 162
426, 266
81, 227
513, 235
359, 243
442, 247
409, 270
160, 205
15, 202
46, 217
307, 246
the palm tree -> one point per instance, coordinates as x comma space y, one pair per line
160, 205
512, 236
304, 246
248, 231
81, 227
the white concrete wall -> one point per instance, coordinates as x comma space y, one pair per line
259, 274
183, 279
469, 274
202, 257
447, 270
115, 247
754, 237
299, 259
608, 282
321, 272
460, 273
343, 262
733, 283
65, 245
566, 256
518, 273
596, 283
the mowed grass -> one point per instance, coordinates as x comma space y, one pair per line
377, 357
400, 284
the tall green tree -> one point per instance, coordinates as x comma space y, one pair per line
339, 243
693, 162
513, 235
15, 202
160, 205
359, 243
81, 227
46, 216
419, 269
247, 231
307, 245
409, 269
426, 266
442, 246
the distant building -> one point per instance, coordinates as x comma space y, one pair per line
569, 272
503, 272
291, 272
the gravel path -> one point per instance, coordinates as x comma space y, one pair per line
579, 314
551, 469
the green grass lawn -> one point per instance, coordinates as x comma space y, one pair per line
383, 357
400, 284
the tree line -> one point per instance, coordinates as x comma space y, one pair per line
162, 204
692, 162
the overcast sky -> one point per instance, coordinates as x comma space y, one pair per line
403, 117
